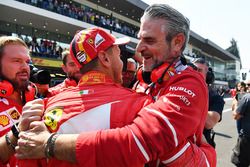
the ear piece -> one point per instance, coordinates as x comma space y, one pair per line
6, 89
143, 76
156, 75
162, 73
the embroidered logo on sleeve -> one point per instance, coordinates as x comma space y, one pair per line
52, 118
182, 89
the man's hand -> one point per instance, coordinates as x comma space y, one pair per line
32, 111
236, 115
31, 143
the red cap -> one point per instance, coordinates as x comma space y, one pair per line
87, 43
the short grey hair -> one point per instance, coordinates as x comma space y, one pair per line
176, 22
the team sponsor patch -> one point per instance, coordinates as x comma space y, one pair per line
171, 73
14, 114
98, 40
8, 118
52, 118
183, 98
81, 56
90, 41
185, 90
3, 91
166, 100
4, 120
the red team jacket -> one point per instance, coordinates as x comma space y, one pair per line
96, 104
60, 87
159, 132
10, 113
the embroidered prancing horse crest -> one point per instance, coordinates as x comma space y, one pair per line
52, 117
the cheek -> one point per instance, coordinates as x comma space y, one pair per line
71, 69
119, 64
9, 71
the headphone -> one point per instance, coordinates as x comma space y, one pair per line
210, 77
6, 89
159, 74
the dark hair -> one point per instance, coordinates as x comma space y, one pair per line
210, 74
89, 66
243, 84
201, 61
176, 22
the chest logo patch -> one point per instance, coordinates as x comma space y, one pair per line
8, 118
4, 120
14, 114
52, 117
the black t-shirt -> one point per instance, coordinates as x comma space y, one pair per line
244, 110
216, 102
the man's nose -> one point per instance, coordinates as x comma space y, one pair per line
25, 66
140, 46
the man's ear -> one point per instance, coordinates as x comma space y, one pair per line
104, 58
178, 42
64, 68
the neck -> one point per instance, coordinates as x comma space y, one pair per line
95, 77
16, 96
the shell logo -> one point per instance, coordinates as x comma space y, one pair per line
4, 120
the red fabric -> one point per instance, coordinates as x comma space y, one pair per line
233, 92
13, 162
61, 87
121, 106
6, 104
162, 129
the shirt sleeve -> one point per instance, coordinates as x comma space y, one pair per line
216, 103
243, 104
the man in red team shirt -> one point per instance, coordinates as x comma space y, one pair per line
96, 102
15, 90
72, 72
164, 132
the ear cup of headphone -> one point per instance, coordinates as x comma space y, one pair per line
156, 75
6, 88
31, 92
210, 76
143, 76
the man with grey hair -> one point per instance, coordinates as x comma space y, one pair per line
164, 133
